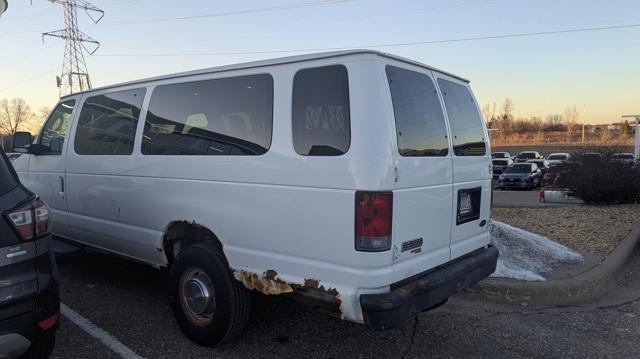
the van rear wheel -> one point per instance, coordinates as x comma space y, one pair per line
210, 306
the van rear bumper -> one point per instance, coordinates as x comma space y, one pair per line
427, 290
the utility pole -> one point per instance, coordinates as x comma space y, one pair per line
637, 146
74, 76
585, 105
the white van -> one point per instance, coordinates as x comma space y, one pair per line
357, 180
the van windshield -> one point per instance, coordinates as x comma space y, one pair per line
7, 180
558, 157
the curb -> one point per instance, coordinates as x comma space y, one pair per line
580, 289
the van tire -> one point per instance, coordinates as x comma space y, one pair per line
229, 299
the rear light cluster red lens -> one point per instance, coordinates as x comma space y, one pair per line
31, 221
49, 322
374, 213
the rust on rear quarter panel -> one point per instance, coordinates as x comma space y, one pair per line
268, 283
311, 292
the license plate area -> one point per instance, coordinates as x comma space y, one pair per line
468, 205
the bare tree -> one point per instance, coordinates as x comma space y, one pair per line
625, 128
504, 120
554, 123
506, 109
506, 114
489, 112
14, 115
570, 120
537, 124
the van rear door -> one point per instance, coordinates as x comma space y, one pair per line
422, 198
471, 167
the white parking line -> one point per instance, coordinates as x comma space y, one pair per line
105, 338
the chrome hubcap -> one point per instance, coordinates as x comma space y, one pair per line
197, 296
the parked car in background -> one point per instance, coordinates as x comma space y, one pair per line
558, 158
13, 156
501, 155
499, 165
342, 144
543, 164
624, 157
29, 299
520, 175
591, 156
525, 156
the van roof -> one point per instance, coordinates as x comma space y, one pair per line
271, 62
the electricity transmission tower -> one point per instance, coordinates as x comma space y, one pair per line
74, 76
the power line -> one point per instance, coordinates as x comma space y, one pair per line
229, 13
57, 12
397, 44
52, 70
193, 17
400, 12
31, 52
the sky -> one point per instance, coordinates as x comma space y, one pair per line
597, 71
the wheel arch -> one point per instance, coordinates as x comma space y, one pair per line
181, 233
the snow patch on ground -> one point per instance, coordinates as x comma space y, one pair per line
525, 255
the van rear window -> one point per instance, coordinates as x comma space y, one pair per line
464, 119
420, 125
221, 117
321, 112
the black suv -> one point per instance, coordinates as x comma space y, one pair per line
520, 175
29, 297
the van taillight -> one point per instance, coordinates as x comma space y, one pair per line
31, 221
374, 212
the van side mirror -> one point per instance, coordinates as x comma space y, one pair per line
21, 142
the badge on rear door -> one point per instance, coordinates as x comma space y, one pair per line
412, 245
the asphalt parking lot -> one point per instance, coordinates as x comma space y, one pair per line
127, 303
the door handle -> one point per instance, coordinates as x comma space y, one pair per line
61, 184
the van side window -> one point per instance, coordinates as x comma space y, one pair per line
464, 119
420, 125
221, 117
320, 111
55, 130
107, 123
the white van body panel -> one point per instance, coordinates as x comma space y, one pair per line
281, 211
45, 175
422, 199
